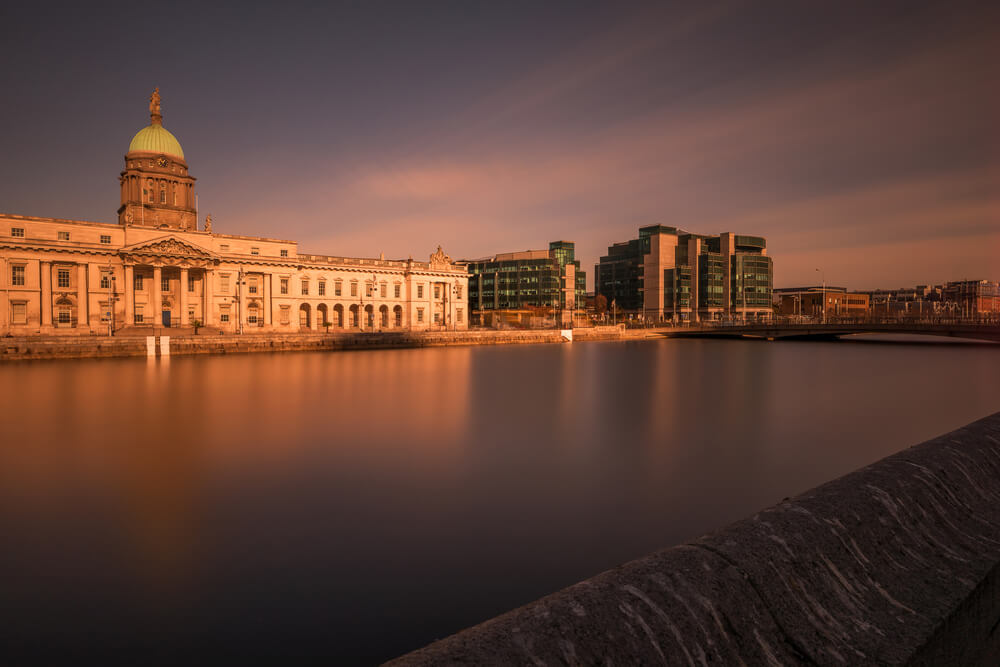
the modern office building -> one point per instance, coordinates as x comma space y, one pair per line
673, 275
527, 287
155, 267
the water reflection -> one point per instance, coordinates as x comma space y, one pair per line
355, 505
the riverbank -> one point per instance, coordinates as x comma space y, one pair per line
896, 563
82, 347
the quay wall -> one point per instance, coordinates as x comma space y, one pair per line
895, 564
70, 347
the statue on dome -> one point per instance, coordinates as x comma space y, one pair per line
208, 222
154, 105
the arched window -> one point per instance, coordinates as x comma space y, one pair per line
398, 316
383, 313
338, 316
163, 196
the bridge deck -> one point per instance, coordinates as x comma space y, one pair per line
776, 331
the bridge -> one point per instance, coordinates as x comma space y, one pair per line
779, 330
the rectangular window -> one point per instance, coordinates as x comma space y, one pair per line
62, 277
354, 289
337, 287
458, 315
252, 286
64, 236
420, 314
305, 288
139, 315
63, 316
254, 251
284, 252
19, 313
105, 280
191, 282
369, 290
396, 290
285, 315
252, 317
138, 282
17, 276
322, 288
17, 232
224, 247
458, 291
283, 286
224, 314
163, 196
224, 283
106, 239
437, 291
382, 289
165, 284
420, 291
437, 317
191, 316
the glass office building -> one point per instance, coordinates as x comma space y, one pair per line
672, 275
527, 287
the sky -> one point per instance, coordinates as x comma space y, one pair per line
859, 138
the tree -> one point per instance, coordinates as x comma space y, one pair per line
601, 304
196, 324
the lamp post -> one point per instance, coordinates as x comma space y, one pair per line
239, 300
823, 292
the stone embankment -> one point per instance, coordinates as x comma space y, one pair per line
895, 564
70, 347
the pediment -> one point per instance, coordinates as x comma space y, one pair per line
169, 246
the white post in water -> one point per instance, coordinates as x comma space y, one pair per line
150, 346
164, 346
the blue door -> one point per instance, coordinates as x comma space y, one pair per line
166, 318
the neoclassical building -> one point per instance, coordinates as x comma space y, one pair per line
154, 267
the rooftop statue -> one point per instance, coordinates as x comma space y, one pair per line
154, 106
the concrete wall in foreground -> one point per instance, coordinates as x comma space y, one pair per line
896, 563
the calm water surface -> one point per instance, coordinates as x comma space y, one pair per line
347, 507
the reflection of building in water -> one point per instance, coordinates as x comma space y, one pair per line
154, 267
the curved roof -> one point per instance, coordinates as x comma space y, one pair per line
156, 139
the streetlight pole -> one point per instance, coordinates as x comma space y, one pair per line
239, 300
823, 274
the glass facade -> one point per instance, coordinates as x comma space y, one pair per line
523, 280
751, 281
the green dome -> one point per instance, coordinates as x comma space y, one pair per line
155, 139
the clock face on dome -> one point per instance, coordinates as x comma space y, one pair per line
162, 162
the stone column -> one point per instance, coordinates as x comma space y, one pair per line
182, 290
45, 303
267, 300
155, 298
82, 297
129, 290
206, 296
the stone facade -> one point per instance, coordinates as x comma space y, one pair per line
155, 268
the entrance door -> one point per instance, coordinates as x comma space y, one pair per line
166, 318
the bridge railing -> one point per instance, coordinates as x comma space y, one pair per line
992, 320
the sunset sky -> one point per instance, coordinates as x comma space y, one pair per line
859, 138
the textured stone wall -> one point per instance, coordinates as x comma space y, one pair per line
68, 347
896, 563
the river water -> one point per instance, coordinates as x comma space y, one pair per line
347, 507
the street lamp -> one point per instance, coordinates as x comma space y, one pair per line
823, 274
